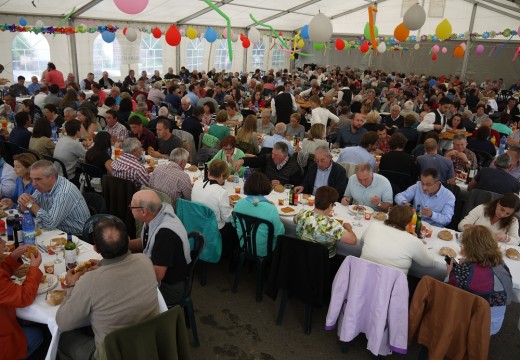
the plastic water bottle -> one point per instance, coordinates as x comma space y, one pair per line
53, 131
502, 146
256, 106
11, 117
236, 179
154, 111
28, 229
247, 173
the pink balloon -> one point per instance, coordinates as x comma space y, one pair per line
463, 45
435, 49
479, 49
444, 50
131, 7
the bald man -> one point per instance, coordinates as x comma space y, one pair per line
164, 240
279, 135
432, 160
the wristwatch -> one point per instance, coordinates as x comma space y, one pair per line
379, 204
29, 206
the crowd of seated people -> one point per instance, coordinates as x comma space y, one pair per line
287, 127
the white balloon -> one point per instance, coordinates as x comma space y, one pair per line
381, 47
131, 34
417, 46
39, 23
320, 28
414, 17
234, 36
254, 35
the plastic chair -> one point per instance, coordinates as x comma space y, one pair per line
95, 202
10, 150
102, 121
89, 172
484, 159
186, 302
400, 180
88, 227
118, 194
249, 227
24, 150
477, 197
302, 270
350, 168
60, 163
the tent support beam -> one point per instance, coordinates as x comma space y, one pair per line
354, 10
468, 44
85, 8
286, 12
74, 52
498, 11
202, 12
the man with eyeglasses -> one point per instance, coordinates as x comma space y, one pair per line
437, 203
56, 203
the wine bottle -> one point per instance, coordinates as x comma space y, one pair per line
418, 224
71, 256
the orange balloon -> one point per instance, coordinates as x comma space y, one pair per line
401, 32
458, 52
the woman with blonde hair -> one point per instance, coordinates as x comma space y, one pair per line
372, 120
482, 272
247, 136
315, 138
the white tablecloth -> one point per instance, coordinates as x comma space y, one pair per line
341, 212
89, 93
41, 312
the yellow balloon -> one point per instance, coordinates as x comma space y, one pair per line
443, 30
301, 43
191, 33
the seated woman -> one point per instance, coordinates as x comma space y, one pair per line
99, 154
316, 138
255, 204
18, 342
219, 129
389, 244
22, 165
294, 128
454, 124
483, 272
372, 120
247, 137
40, 141
498, 216
258, 100
209, 113
229, 153
317, 225
89, 124
212, 194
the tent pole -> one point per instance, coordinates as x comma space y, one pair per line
178, 59
73, 51
468, 44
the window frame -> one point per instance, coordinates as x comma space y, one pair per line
30, 40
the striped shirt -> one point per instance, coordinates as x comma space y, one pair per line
117, 131
172, 180
128, 166
62, 208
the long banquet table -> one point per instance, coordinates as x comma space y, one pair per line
433, 243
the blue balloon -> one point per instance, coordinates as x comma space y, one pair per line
108, 36
305, 32
485, 35
23, 22
210, 35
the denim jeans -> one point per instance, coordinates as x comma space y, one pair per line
34, 338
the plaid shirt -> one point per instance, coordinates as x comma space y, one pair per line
171, 180
460, 164
118, 131
128, 166
383, 144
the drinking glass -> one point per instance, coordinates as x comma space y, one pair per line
57, 248
357, 214
200, 166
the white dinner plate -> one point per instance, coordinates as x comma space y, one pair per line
292, 213
50, 282
352, 209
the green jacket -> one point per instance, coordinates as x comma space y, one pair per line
239, 154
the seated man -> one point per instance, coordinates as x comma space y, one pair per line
118, 132
497, 179
69, 150
278, 166
362, 152
369, 189
20, 135
171, 179
514, 168
165, 241
50, 111
167, 141
323, 172
432, 160
437, 203
382, 145
145, 136
350, 135
461, 157
121, 290
7, 178
128, 166
56, 203
278, 136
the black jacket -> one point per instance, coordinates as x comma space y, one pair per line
337, 179
290, 173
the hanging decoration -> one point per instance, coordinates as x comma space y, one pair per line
443, 30
156, 32
191, 33
108, 36
320, 28
340, 44
381, 48
305, 32
246, 43
254, 35
371, 21
364, 47
131, 7
131, 34
210, 35
458, 52
273, 31
228, 23
479, 50
401, 32
172, 36
415, 17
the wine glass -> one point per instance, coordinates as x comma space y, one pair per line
357, 213
200, 166
57, 248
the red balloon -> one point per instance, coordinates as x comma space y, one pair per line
340, 44
364, 47
172, 36
156, 32
434, 57
245, 42
124, 31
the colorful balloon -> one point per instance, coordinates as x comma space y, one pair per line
364, 47
246, 42
381, 47
173, 36
22, 22
254, 35
191, 33
301, 43
340, 44
458, 52
444, 49
434, 57
505, 33
443, 30
234, 37
108, 36
479, 49
131, 7
156, 32
435, 49
320, 28
401, 32
305, 32
417, 46
210, 35
39, 23
366, 31
415, 17
131, 34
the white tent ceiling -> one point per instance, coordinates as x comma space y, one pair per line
348, 17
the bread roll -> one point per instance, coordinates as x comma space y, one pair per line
279, 188
445, 235
446, 250
56, 297
513, 254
